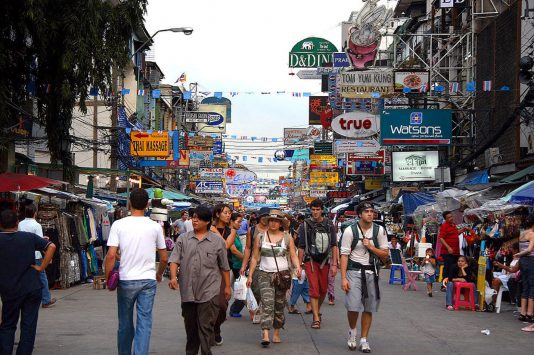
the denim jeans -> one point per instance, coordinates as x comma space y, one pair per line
27, 306
139, 293
299, 290
450, 294
45, 292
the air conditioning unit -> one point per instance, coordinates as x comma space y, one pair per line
492, 157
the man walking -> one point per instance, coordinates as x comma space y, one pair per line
20, 285
199, 264
450, 243
318, 249
179, 224
29, 224
363, 245
137, 237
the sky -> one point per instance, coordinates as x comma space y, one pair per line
240, 46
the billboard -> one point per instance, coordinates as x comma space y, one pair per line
416, 127
216, 120
150, 144
361, 84
362, 164
414, 166
311, 52
356, 124
317, 105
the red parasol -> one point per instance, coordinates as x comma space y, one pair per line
21, 182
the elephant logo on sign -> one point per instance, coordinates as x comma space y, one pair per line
308, 45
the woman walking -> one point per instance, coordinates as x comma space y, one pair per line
236, 262
272, 251
222, 214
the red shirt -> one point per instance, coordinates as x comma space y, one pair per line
449, 233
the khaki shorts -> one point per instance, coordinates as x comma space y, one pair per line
354, 301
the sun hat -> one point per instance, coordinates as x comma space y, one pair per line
279, 216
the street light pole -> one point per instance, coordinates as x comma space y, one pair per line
185, 30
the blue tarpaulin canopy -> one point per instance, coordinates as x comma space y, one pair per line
523, 195
476, 177
411, 200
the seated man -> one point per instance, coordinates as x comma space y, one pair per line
394, 243
508, 272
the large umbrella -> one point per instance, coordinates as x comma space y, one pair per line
22, 182
523, 195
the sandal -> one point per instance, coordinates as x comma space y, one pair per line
528, 329
265, 343
524, 318
316, 324
293, 311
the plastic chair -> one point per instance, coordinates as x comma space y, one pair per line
411, 276
499, 298
393, 279
469, 297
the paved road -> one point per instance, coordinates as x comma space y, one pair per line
84, 321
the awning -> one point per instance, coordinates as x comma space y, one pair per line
520, 175
523, 195
475, 177
21, 182
170, 195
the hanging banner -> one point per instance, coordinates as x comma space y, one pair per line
324, 178
323, 161
360, 164
311, 52
154, 144
356, 124
416, 127
343, 146
361, 84
414, 166
317, 105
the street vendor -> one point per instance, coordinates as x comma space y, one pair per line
450, 243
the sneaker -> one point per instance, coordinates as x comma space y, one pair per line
364, 347
46, 305
351, 342
218, 340
235, 315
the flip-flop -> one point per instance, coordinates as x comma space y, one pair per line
528, 329
316, 324
276, 341
294, 311
265, 343
308, 312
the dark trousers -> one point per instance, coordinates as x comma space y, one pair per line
448, 262
199, 320
223, 307
27, 307
238, 305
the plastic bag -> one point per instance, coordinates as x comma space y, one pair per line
489, 293
252, 305
240, 289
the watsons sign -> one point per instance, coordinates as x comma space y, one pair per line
357, 124
362, 84
311, 52
416, 127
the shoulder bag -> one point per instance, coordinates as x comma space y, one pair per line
280, 279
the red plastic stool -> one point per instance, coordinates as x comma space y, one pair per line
469, 296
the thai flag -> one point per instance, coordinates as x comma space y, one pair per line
454, 87
141, 92
182, 78
233, 93
423, 88
244, 138
486, 85
297, 94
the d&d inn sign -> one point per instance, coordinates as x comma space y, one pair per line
311, 52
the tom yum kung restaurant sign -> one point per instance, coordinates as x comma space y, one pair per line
361, 84
311, 52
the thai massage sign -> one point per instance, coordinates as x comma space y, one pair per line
363, 84
357, 124
311, 52
149, 144
416, 127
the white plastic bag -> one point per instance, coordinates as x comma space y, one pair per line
489, 293
252, 305
240, 289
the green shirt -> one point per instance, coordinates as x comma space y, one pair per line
236, 262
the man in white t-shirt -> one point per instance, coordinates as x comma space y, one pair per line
29, 224
188, 225
137, 237
359, 272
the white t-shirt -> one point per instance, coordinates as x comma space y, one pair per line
137, 239
32, 226
188, 225
360, 254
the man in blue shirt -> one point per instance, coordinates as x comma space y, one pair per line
20, 284
243, 228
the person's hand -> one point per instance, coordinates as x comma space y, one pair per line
366, 243
38, 268
173, 284
299, 272
449, 249
159, 277
242, 270
228, 293
46, 238
249, 281
333, 270
445, 280
496, 263
345, 285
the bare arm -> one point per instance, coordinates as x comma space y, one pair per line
163, 260
529, 249
246, 254
231, 239
49, 253
293, 254
111, 256
236, 252
254, 260
345, 286
173, 283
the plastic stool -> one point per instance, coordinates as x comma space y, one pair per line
469, 297
393, 279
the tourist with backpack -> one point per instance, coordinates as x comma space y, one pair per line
363, 246
318, 250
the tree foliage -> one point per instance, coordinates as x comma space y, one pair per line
64, 48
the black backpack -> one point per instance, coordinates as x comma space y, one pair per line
318, 239
373, 259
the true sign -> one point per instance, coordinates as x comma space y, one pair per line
154, 144
361, 84
357, 124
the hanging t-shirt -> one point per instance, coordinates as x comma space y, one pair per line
137, 239
106, 226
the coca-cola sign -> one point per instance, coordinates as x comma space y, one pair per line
357, 124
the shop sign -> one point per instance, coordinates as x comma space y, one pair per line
341, 60
444, 4
295, 135
209, 187
199, 142
416, 127
239, 176
322, 148
360, 164
357, 124
342, 146
183, 162
339, 194
216, 122
210, 118
311, 52
297, 154
361, 84
318, 193
323, 161
373, 183
414, 166
317, 105
206, 173
412, 80
220, 101
149, 144
323, 178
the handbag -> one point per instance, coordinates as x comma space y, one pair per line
280, 279
113, 279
